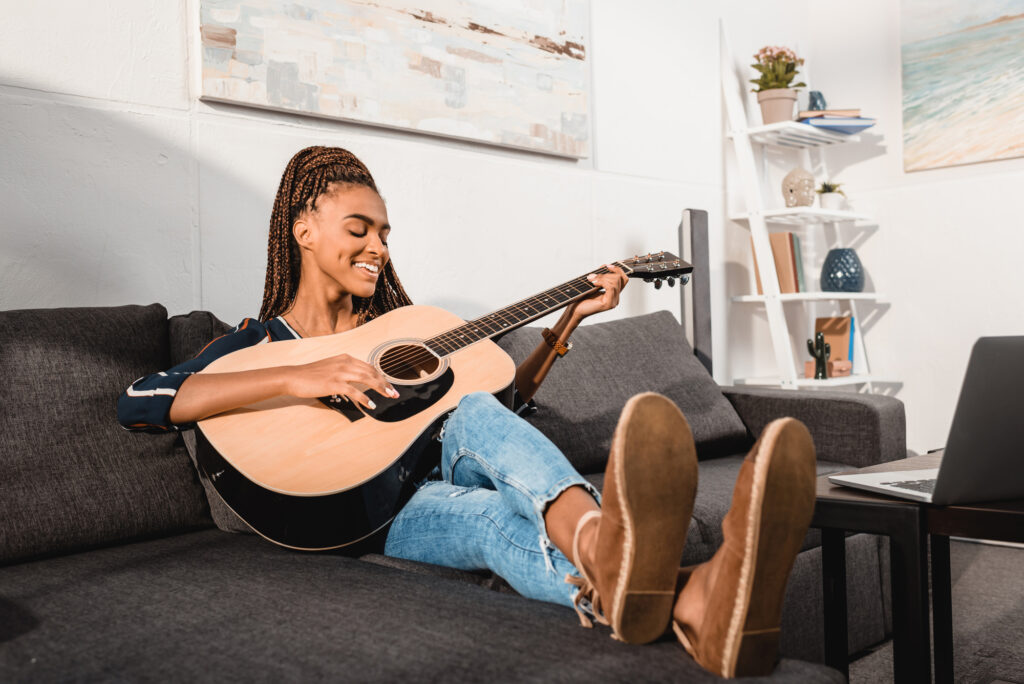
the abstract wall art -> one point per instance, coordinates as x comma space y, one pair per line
963, 81
511, 74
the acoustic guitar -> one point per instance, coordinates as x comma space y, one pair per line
316, 474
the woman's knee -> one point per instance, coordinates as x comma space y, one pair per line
473, 407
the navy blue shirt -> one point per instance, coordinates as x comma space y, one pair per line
146, 404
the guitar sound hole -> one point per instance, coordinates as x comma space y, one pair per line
408, 362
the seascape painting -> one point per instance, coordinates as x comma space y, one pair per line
963, 81
511, 74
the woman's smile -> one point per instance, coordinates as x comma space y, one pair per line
368, 269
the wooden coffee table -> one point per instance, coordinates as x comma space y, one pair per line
838, 510
910, 526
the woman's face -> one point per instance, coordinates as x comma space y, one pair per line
347, 238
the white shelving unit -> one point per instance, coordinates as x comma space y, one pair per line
856, 379
813, 297
800, 140
802, 216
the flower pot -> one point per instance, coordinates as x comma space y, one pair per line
777, 104
830, 200
842, 271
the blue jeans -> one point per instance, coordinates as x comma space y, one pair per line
499, 475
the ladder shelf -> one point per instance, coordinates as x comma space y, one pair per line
788, 137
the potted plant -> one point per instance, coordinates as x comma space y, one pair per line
775, 91
830, 196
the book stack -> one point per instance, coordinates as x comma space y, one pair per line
788, 263
838, 331
839, 120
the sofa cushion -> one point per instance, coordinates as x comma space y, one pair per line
188, 335
580, 401
70, 476
209, 605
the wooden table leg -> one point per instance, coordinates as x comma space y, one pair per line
942, 609
911, 634
833, 562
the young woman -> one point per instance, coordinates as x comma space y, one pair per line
505, 498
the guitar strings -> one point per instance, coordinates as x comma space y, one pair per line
409, 360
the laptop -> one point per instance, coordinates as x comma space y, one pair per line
984, 455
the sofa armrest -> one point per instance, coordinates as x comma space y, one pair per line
856, 429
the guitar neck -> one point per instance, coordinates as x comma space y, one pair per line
515, 315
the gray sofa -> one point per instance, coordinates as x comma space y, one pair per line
111, 566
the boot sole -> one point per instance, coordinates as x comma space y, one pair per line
660, 478
783, 471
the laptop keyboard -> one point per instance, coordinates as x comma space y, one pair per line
925, 486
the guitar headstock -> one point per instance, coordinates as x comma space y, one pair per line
657, 267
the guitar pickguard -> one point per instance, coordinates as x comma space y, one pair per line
412, 399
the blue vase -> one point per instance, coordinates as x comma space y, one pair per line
842, 271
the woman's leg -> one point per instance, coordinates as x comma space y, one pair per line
486, 445
473, 528
513, 470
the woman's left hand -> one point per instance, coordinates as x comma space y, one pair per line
611, 285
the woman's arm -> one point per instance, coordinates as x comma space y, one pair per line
534, 369
175, 398
207, 394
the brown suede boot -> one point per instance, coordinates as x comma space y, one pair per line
649, 487
728, 611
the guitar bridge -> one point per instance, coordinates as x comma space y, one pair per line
342, 405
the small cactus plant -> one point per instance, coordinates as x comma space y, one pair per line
820, 350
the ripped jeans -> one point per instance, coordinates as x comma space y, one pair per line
499, 474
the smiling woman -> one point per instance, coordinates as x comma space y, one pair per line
503, 497
310, 197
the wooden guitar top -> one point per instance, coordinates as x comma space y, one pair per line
302, 447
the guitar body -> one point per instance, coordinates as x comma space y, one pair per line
317, 474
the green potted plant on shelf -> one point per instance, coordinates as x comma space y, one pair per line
776, 93
830, 196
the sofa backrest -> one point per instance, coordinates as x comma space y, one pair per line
70, 476
580, 401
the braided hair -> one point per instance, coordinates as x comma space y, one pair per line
311, 173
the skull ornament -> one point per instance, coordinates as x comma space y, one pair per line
798, 188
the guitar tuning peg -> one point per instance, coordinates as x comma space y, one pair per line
657, 283
671, 282
684, 279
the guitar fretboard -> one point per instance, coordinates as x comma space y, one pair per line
514, 315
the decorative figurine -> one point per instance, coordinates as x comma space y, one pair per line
820, 350
798, 188
816, 101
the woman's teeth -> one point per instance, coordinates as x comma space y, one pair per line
372, 268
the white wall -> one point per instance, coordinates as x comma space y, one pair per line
949, 247
118, 186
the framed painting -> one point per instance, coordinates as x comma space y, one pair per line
512, 74
963, 81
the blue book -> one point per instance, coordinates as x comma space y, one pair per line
846, 124
850, 357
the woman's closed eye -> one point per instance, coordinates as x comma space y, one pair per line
365, 232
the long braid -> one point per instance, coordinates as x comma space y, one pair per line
310, 174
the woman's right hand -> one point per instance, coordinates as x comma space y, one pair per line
343, 375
